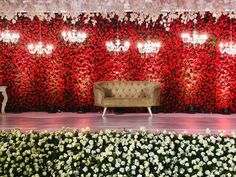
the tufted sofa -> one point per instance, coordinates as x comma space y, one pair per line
127, 94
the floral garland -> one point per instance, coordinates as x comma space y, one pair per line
167, 17
111, 153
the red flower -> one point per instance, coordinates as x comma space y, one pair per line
197, 75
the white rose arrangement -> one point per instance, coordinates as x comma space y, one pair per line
110, 153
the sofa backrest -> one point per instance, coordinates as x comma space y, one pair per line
126, 89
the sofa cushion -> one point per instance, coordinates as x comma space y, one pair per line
126, 102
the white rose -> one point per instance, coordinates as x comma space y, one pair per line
122, 170
117, 165
85, 169
122, 162
181, 170
207, 172
110, 159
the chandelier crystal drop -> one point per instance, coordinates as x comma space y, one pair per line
228, 48
149, 47
195, 38
7, 36
74, 36
117, 47
40, 48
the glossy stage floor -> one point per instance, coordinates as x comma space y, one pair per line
177, 122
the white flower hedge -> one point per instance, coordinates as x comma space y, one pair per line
109, 153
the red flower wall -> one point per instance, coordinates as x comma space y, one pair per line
191, 75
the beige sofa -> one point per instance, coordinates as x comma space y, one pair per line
127, 94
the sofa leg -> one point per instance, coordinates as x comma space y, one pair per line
104, 112
150, 111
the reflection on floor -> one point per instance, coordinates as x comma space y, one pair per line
178, 122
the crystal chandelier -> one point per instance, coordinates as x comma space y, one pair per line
7, 36
195, 38
40, 48
117, 47
73, 36
229, 48
149, 47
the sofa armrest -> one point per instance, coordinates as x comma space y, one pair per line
153, 93
99, 94
156, 94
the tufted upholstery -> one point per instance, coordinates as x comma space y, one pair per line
127, 94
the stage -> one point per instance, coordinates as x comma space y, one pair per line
75, 153
177, 122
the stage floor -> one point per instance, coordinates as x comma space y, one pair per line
177, 122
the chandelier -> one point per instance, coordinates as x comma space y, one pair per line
40, 48
229, 48
195, 38
7, 36
117, 47
149, 47
73, 36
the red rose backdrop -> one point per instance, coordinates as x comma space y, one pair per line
197, 75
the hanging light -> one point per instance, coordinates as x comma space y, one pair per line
149, 47
117, 47
195, 38
40, 48
7, 36
74, 36
228, 48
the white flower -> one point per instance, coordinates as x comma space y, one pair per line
85, 130
205, 158
125, 148
214, 160
122, 162
117, 165
208, 131
110, 159
207, 172
182, 170
85, 169
151, 154
142, 129
122, 170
